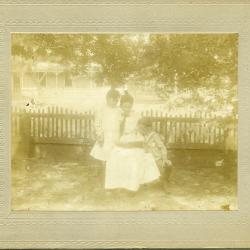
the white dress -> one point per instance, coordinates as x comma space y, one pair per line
106, 125
129, 167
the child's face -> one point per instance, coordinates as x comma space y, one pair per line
126, 107
112, 102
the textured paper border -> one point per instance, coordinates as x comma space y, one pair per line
125, 229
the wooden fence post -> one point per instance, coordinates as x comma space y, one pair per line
25, 133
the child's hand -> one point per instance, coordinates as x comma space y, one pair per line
169, 163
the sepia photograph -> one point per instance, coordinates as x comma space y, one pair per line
124, 121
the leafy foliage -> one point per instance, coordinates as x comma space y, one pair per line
171, 62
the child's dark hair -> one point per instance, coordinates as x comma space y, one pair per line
113, 94
127, 98
146, 122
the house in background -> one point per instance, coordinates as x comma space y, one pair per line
49, 84
31, 76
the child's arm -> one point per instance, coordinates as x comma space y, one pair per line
163, 149
136, 144
98, 128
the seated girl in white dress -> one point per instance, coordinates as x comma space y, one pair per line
128, 165
106, 126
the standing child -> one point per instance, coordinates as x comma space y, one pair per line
155, 146
106, 126
127, 168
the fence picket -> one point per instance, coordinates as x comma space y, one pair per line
56, 122
48, 123
70, 124
192, 117
203, 128
39, 123
209, 128
66, 124
89, 125
85, 125
171, 133
61, 122
42, 123
196, 127
81, 130
185, 129
53, 122
200, 127
76, 127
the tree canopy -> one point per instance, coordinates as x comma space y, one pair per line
169, 61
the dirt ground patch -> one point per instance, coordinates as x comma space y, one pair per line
196, 184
